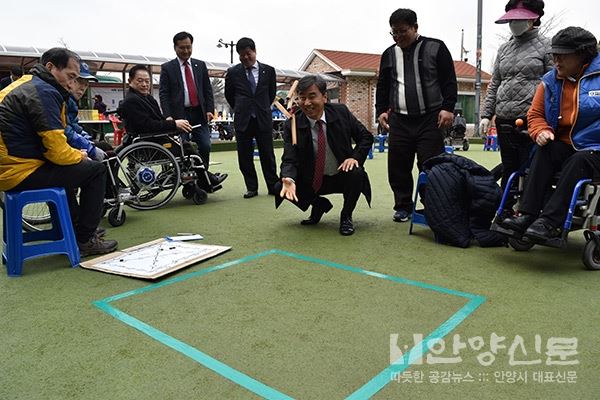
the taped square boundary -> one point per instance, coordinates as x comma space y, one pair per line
371, 387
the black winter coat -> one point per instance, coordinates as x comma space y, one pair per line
461, 198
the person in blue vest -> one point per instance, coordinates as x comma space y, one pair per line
564, 121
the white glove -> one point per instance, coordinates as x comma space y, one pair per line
484, 126
99, 154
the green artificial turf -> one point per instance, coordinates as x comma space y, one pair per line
305, 329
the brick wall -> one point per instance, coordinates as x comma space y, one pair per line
318, 65
360, 92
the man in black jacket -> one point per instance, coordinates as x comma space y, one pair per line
323, 161
250, 90
416, 94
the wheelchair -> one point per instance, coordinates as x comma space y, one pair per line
144, 174
151, 168
583, 213
455, 137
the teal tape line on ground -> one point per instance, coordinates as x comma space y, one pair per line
377, 274
419, 350
217, 366
187, 276
366, 391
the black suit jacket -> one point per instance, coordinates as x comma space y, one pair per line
298, 162
171, 88
244, 103
142, 115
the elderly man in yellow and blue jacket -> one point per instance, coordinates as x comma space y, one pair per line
33, 148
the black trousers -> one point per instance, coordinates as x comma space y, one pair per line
515, 147
549, 159
409, 136
200, 135
89, 176
245, 152
349, 184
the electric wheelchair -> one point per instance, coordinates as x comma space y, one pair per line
583, 213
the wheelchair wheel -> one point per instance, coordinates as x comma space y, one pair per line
465, 145
591, 256
520, 245
36, 216
152, 172
113, 217
188, 191
200, 195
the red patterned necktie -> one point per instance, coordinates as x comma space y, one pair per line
191, 86
320, 158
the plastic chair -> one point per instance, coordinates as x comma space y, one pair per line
381, 142
418, 216
119, 132
60, 239
491, 143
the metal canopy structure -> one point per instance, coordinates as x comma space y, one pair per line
26, 57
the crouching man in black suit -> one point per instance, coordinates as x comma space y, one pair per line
323, 161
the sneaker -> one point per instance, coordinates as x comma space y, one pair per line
96, 245
100, 231
401, 216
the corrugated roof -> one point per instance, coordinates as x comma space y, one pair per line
345, 60
115, 62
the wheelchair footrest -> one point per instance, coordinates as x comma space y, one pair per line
508, 232
558, 243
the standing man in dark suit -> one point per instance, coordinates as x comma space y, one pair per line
250, 90
323, 161
185, 93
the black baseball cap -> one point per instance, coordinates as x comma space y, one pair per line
571, 40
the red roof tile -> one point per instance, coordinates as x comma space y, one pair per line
346, 60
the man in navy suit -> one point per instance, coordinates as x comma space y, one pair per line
185, 93
250, 90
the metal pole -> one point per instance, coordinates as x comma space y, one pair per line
478, 69
231, 51
462, 46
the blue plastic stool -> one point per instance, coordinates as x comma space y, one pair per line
449, 149
370, 155
254, 146
418, 216
58, 240
381, 142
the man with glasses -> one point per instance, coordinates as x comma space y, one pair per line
564, 121
416, 94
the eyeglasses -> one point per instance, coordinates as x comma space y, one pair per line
399, 32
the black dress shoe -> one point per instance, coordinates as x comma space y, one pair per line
518, 223
250, 193
541, 230
320, 207
216, 179
346, 226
